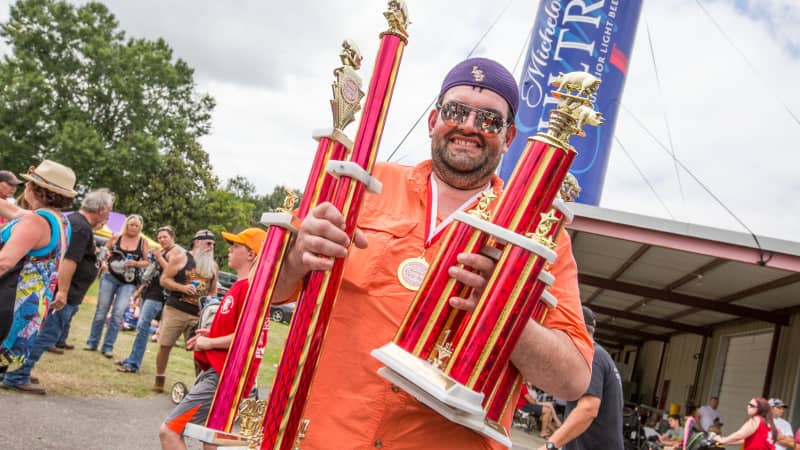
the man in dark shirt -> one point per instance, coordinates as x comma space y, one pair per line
76, 273
595, 420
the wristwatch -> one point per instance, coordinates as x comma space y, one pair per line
550, 446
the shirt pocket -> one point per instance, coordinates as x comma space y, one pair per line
390, 241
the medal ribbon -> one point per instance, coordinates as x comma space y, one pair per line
434, 232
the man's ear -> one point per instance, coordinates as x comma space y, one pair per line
432, 117
511, 133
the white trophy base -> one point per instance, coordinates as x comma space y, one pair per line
429, 385
218, 438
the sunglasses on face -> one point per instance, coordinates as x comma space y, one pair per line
455, 113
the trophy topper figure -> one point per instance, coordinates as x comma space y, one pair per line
570, 189
581, 82
574, 91
481, 210
289, 201
397, 17
347, 93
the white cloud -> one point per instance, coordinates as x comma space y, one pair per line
728, 124
268, 64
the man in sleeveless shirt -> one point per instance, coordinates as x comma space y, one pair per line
188, 276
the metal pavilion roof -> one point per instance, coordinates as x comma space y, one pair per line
649, 278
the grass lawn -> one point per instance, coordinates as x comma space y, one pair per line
89, 374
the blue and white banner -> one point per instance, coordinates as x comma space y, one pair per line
569, 35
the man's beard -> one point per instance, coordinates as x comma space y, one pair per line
463, 171
204, 260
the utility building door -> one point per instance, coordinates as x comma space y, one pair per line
743, 377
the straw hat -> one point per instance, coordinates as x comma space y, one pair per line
54, 177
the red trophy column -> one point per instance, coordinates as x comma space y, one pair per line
283, 427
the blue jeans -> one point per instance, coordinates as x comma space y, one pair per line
62, 340
113, 295
48, 336
150, 309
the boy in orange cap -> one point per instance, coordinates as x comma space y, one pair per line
211, 345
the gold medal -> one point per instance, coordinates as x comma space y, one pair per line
411, 272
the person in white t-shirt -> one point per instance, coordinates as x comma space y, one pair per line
709, 414
785, 437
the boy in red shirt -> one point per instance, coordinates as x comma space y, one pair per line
211, 345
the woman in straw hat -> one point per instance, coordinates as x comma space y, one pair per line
30, 252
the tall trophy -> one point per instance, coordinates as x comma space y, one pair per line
241, 366
340, 174
458, 363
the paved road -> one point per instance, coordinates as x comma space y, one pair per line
50, 422
61, 423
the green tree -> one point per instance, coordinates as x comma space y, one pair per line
123, 113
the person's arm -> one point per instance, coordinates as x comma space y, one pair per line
162, 262
200, 341
168, 276
65, 273
143, 263
109, 245
577, 422
137, 294
786, 440
550, 360
741, 434
11, 211
32, 231
75, 252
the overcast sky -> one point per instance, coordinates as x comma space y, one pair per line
268, 65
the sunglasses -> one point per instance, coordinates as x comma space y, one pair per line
455, 113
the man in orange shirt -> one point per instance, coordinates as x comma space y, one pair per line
350, 405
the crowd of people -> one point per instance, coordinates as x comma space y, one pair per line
49, 259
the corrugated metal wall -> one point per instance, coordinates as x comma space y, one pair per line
646, 370
679, 367
711, 370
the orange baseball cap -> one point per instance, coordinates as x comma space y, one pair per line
252, 238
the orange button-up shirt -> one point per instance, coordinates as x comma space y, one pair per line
350, 406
